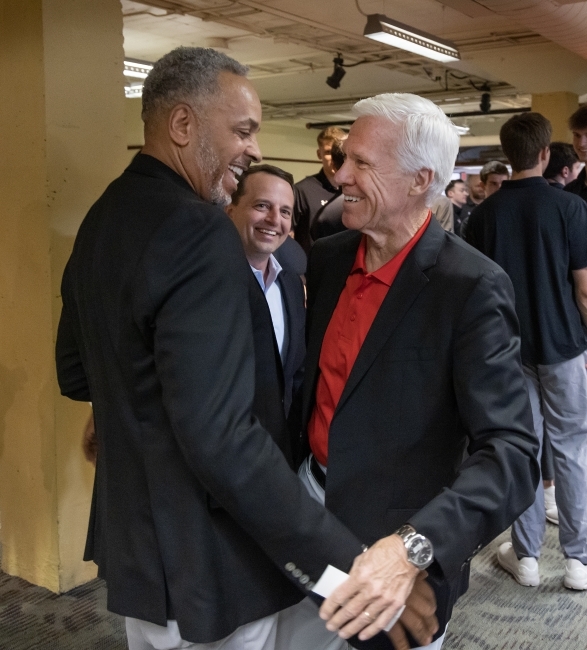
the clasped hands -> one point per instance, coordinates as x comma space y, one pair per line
380, 583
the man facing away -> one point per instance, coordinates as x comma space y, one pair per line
262, 209
578, 126
198, 525
538, 235
413, 356
315, 191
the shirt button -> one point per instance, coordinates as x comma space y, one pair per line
360, 296
353, 317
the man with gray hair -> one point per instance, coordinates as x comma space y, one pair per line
199, 526
413, 356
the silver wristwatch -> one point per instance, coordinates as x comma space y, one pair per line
419, 548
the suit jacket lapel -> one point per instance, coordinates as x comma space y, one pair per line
409, 282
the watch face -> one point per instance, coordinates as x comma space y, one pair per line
420, 552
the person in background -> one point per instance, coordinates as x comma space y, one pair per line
563, 168
538, 235
442, 209
492, 175
476, 194
456, 192
578, 126
328, 220
564, 165
315, 191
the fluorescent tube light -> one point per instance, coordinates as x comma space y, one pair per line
136, 69
391, 32
134, 90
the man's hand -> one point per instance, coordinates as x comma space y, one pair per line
378, 586
418, 617
90, 442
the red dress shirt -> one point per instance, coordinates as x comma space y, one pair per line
355, 312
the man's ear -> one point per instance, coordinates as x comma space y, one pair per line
228, 209
319, 154
181, 124
565, 171
421, 182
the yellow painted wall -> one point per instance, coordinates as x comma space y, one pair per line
62, 139
557, 107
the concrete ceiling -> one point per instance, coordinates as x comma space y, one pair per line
289, 46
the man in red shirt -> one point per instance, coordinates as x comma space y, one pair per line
413, 356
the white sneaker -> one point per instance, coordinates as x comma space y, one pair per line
552, 515
575, 575
549, 497
525, 571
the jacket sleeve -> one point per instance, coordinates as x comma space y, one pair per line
71, 375
498, 480
203, 351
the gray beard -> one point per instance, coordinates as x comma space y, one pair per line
209, 163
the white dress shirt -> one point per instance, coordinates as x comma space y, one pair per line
273, 296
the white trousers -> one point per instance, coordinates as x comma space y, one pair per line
258, 635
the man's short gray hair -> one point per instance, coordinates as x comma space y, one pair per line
187, 74
429, 140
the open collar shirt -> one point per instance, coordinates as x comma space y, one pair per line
274, 299
351, 320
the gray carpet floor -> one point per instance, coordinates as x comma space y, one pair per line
495, 614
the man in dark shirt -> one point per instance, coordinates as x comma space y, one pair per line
538, 235
564, 165
456, 191
476, 194
315, 191
492, 175
578, 125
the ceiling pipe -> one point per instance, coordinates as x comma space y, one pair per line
497, 111
564, 24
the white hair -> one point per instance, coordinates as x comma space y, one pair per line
429, 140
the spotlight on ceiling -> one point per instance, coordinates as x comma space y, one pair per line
391, 32
339, 72
485, 105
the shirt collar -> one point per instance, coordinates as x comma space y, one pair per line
274, 269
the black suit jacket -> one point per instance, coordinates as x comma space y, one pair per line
440, 368
197, 514
294, 303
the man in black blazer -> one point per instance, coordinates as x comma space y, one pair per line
413, 357
198, 524
262, 209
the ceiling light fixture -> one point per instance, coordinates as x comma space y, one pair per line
136, 69
391, 32
133, 91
